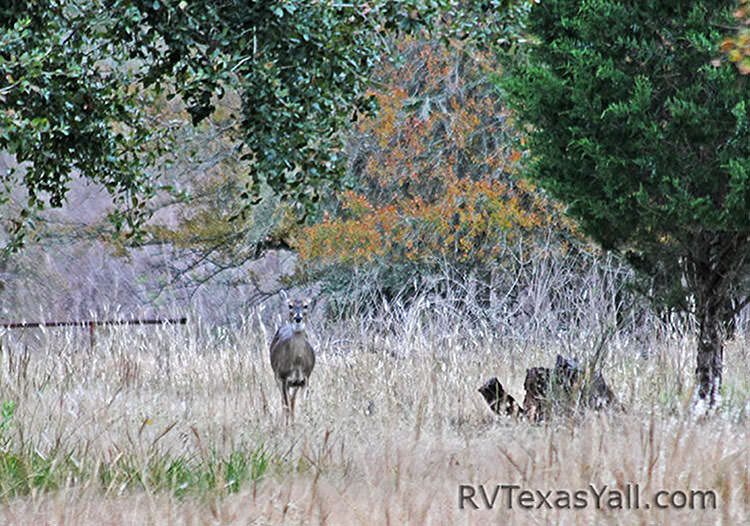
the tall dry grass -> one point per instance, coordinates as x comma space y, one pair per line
182, 425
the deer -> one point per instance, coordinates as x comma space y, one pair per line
292, 356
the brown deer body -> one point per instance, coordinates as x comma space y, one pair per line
292, 356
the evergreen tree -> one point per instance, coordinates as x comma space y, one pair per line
644, 134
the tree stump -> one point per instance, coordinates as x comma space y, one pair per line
499, 400
559, 390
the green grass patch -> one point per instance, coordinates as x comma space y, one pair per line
21, 473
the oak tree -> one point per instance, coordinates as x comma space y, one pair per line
75, 77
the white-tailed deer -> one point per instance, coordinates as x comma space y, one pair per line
292, 356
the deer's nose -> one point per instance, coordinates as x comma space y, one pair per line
298, 319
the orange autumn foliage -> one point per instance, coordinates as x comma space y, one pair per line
472, 220
736, 48
434, 171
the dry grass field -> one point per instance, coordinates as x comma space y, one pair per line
182, 425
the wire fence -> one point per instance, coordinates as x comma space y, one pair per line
93, 324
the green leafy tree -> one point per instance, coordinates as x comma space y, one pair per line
73, 77
648, 143
301, 68
65, 108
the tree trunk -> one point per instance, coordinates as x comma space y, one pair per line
710, 356
713, 275
484, 289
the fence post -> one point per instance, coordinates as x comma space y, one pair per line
92, 324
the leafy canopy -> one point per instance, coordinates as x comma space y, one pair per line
65, 108
644, 138
75, 77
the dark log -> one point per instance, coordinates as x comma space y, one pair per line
559, 390
499, 400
